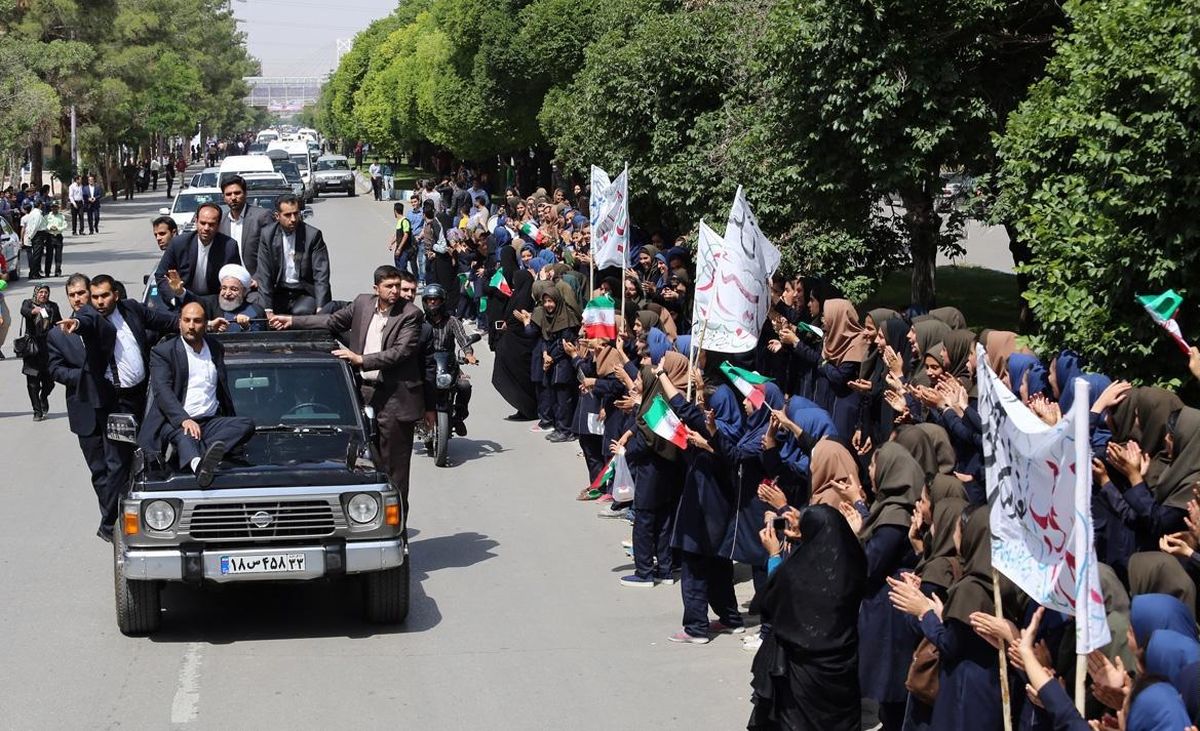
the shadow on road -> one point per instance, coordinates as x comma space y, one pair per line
237, 613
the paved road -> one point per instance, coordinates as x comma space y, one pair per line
517, 620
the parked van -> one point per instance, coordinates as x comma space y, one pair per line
299, 153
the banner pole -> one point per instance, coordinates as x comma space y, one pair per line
1005, 698
1083, 538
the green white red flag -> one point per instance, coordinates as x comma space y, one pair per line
499, 282
1162, 308
605, 475
750, 384
600, 318
663, 422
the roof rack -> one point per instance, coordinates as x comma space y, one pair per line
279, 341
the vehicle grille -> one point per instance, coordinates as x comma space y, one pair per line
288, 520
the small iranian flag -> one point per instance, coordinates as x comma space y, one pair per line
751, 385
1162, 308
499, 282
531, 230
663, 422
600, 318
605, 475
812, 329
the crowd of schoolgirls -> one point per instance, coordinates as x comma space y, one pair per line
842, 462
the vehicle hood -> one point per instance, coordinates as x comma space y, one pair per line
279, 460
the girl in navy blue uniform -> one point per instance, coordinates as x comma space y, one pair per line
558, 325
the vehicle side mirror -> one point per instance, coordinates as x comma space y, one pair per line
145, 279
372, 423
306, 213
122, 428
164, 211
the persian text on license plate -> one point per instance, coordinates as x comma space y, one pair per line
269, 563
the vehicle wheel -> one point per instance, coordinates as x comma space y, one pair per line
316, 194
442, 439
387, 595
138, 603
351, 193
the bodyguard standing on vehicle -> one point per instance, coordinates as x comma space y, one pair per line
192, 261
113, 377
384, 332
292, 265
243, 223
192, 407
67, 362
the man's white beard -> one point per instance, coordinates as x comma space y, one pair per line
230, 304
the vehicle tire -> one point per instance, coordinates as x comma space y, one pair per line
351, 192
386, 595
138, 602
316, 193
442, 439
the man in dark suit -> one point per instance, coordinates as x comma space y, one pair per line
193, 261
92, 194
243, 223
292, 268
384, 333
192, 407
113, 377
67, 359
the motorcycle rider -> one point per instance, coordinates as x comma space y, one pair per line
440, 333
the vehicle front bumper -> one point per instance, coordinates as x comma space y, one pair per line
195, 563
334, 184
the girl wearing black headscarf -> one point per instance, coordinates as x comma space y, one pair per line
969, 668
497, 300
898, 481
558, 324
510, 374
805, 675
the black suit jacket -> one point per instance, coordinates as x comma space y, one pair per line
254, 220
67, 356
100, 339
181, 256
314, 263
168, 389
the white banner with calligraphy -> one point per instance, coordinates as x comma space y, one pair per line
609, 213
1039, 481
741, 289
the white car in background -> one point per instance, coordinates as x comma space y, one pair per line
206, 178
187, 202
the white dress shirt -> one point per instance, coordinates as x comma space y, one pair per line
235, 226
201, 399
290, 274
200, 276
131, 369
75, 193
374, 342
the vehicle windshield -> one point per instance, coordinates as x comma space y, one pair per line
306, 394
191, 202
333, 165
265, 182
265, 199
205, 180
289, 169
256, 147
301, 161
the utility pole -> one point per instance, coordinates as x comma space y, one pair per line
74, 142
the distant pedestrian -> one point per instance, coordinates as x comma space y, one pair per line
156, 168
56, 224
40, 314
169, 171
92, 195
75, 201
129, 172
376, 181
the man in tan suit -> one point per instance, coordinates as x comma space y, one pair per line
384, 332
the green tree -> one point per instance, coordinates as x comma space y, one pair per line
1101, 173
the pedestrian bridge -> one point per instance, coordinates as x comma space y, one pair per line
283, 93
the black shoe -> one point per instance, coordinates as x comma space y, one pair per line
519, 417
105, 533
460, 427
45, 405
2, 355
209, 463
58, 273
39, 416
558, 437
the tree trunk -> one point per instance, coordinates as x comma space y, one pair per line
35, 164
1021, 254
923, 225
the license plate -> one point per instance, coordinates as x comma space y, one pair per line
267, 563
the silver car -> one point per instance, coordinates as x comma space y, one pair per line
333, 173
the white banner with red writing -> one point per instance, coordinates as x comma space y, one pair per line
1039, 481
609, 209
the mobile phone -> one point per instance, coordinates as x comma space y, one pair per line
499, 325
778, 525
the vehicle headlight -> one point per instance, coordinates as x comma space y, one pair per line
347, 176
159, 514
444, 380
363, 508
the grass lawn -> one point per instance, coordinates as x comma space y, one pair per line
404, 177
987, 298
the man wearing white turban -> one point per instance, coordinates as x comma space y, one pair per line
230, 302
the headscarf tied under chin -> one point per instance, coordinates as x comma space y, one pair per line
973, 592
845, 339
898, 483
658, 344
750, 445
830, 463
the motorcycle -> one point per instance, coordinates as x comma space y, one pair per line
437, 438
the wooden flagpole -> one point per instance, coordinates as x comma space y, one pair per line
1005, 697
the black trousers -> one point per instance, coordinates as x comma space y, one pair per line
293, 302
54, 251
39, 388
92, 446
93, 214
170, 183
377, 188
37, 252
118, 456
129, 186
565, 396
652, 540
707, 581
154, 178
395, 447
78, 219
232, 430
